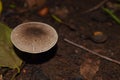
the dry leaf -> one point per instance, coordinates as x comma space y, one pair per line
98, 78
1, 77
89, 68
60, 12
32, 3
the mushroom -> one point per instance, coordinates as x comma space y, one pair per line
34, 37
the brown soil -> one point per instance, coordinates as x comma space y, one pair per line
65, 62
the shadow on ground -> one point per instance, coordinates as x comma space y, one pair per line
37, 58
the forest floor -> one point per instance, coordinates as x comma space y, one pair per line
81, 20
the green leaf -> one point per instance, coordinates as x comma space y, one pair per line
8, 57
12, 6
56, 18
110, 12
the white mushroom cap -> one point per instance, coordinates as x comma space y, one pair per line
34, 37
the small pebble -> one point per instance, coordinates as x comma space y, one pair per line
43, 12
99, 37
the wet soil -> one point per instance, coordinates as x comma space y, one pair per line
67, 59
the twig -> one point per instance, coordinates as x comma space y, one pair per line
95, 53
95, 7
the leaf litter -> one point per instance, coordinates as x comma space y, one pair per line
89, 68
32, 3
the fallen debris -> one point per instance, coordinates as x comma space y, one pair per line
44, 11
95, 7
62, 22
32, 3
95, 53
111, 13
89, 68
99, 37
1, 77
61, 12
